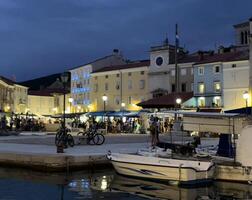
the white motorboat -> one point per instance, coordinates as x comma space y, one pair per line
163, 169
155, 152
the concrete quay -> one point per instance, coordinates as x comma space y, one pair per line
45, 158
39, 152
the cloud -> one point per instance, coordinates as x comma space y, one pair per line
48, 36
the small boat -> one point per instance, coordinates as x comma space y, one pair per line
170, 170
155, 152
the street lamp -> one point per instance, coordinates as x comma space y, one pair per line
104, 99
246, 96
70, 100
178, 102
64, 79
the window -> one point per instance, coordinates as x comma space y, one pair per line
106, 76
217, 101
106, 86
117, 85
201, 102
129, 99
217, 69
233, 65
201, 88
201, 71
117, 100
129, 84
242, 38
141, 84
183, 87
117, 75
129, 74
246, 37
217, 87
96, 87
183, 72
88, 81
142, 72
173, 72
173, 88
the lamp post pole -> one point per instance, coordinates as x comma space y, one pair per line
62, 143
70, 100
246, 96
64, 107
104, 98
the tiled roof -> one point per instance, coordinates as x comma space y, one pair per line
166, 101
45, 92
7, 81
224, 57
126, 66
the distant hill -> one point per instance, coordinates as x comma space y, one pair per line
46, 82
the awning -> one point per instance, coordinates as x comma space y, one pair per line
240, 110
166, 101
118, 113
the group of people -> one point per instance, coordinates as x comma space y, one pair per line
20, 123
116, 125
155, 129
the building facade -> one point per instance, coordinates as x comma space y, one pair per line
81, 87
123, 85
221, 79
208, 84
242, 33
162, 71
20, 98
13, 96
235, 84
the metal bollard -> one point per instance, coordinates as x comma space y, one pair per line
60, 147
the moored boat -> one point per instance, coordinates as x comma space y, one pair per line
163, 169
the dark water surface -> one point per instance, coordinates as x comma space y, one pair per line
105, 184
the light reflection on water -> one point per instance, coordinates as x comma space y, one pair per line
105, 184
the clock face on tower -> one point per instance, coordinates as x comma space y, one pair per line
159, 61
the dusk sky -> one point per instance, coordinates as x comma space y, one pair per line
41, 37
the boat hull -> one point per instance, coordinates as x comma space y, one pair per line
170, 172
234, 173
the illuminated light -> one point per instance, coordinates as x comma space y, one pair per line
104, 184
245, 95
202, 98
55, 109
178, 101
124, 119
217, 97
70, 100
123, 104
104, 98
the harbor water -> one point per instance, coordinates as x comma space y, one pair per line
105, 184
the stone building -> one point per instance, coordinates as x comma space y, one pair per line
13, 96
123, 85
81, 87
242, 33
221, 79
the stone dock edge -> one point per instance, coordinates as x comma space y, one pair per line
52, 163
